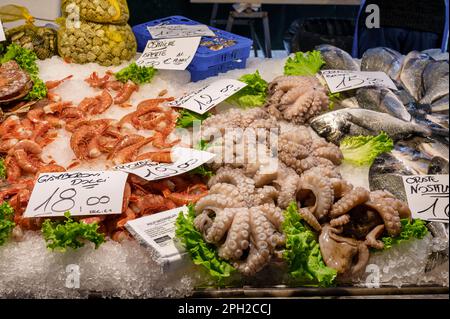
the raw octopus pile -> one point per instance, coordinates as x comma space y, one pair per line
243, 211
22, 139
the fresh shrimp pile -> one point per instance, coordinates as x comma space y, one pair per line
23, 138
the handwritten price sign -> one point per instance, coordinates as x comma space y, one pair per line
81, 193
170, 31
185, 160
204, 99
428, 196
169, 54
341, 80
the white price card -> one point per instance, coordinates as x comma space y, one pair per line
202, 100
80, 193
184, 160
169, 54
342, 80
428, 196
2, 32
158, 232
170, 31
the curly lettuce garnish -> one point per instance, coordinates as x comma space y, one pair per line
410, 229
304, 63
2, 169
202, 253
253, 95
187, 118
6, 223
302, 252
26, 59
362, 150
70, 234
135, 73
202, 170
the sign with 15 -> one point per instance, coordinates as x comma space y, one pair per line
184, 160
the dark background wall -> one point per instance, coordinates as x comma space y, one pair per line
281, 16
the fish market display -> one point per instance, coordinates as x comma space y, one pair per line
283, 202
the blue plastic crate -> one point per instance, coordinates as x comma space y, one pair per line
206, 62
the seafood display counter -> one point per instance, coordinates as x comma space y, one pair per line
123, 180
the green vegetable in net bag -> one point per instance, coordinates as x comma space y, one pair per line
105, 44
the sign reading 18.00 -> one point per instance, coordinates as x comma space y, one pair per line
81, 193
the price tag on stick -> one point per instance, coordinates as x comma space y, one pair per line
81, 193
170, 31
341, 80
185, 160
428, 196
204, 99
169, 54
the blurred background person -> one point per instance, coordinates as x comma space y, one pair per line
404, 25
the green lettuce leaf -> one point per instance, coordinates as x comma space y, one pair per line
39, 90
253, 95
202, 253
6, 223
135, 73
362, 150
70, 234
304, 63
187, 118
333, 98
202, 170
410, 229
302, 252
2, 169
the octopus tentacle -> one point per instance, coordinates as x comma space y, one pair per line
273, 214
371, 238
363, 258
389, 215
340, 187
265, 195
220, 226
322, 189
214, 202
340, 221
309, 217
352, 199
238, 236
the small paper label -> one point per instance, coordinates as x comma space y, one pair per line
170, 31
169, 54
158, 231
185, 160
2, 32
80, 193
428, 196
341, 80
204, 99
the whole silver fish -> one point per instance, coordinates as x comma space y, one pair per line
440, 247
336, 125
438, 166
337, 59
435, 81
437, 54
412, 71
383, 59
382, 100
